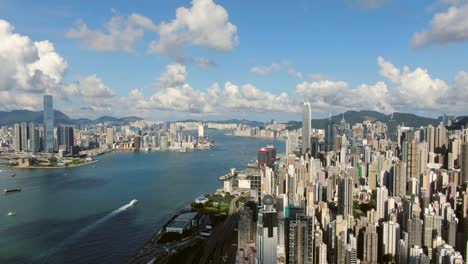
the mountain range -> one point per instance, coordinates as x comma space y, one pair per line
18, 116
352, 117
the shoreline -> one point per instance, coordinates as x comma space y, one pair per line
55, 167
256, 137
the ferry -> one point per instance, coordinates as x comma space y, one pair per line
12, 175
11, 214
5, 191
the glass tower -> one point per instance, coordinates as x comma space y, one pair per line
48, 124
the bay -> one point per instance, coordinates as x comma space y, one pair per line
79, 215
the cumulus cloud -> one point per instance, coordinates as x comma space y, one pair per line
92, 92
446, 27
121, 33
175, 94
414, 88
328, 95
204, 24
27, 65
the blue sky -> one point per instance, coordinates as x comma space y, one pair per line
319, 44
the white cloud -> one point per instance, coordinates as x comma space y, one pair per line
92, 92
446, 27
121, 33
337, 96
276, 67
177, 95
414, 88
174, 76
27, 65
205, 24
264, 70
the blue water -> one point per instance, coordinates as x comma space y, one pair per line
81, 215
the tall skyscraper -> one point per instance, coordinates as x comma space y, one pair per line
306, 126
413, 160
464, 162
65, 137
24, 136
17, 139
48, 124
34, 143
267, 232
345, 195
110, 136
301, 238
370, 244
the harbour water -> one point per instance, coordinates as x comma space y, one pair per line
82, 214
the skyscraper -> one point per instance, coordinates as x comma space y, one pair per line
306, 126
17, 139
24, 136
345, 196
301, 238
48, 124
267, 232
464, 162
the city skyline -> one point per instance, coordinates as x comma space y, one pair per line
164, 61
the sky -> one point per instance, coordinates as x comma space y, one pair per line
214, 60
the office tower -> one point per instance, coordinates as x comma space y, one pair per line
110, 136
17, 139
330, 135
201, 131
301, 235
306, 126
413, 160
390, 237
399, 179
291, 143
24, 136
345, 195
267, 232
382, 196
34, 143
464, 162
370, 244
415, 226
48, 124
423, 154
431, 138
65, 137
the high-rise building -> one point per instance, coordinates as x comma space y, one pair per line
370, 253
267, 232
464, 162
34, 143
413, 160
24, 136
345, 195
17, 138
110, 136
65, 137
306, 126
390, 237
201, 131
48, 124
382, 196
301, 238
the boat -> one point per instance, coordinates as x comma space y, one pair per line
11, 190
133, 202
11, 214
12, 175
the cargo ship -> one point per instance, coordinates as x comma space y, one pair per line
11, 190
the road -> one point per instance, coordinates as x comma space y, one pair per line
215, 245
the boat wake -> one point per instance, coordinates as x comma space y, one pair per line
68, 241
